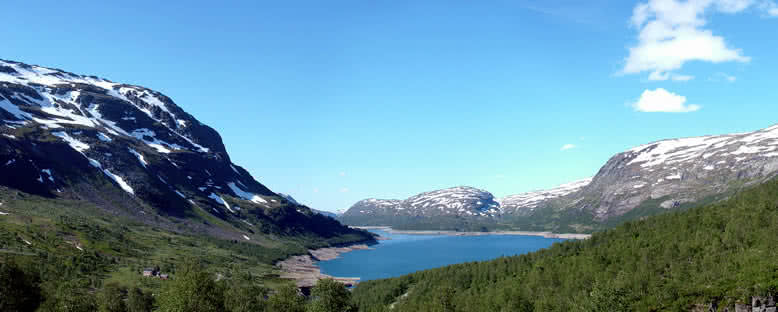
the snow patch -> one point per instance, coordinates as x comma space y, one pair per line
75, 144
103, 137
48, 172
14, 110
119, 180
139, 156
246, 195
220, 200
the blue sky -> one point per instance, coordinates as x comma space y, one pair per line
337, 101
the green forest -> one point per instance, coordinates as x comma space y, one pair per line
722, 252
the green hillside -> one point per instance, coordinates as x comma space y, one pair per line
81, 247
723, 252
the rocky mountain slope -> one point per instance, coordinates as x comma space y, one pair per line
664, 175
525, 204
645, 180
135, 153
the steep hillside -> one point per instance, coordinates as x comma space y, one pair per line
717, 255
135, 154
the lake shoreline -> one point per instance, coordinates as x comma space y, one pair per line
456, 233
305, 271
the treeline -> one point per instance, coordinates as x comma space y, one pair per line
723, 252
192, 290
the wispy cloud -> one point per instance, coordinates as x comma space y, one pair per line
673, 32
344, 190
342, 174
567, 147
588, 13
663, 101
723, 77
658, 76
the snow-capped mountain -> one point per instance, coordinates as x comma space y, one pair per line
373, 206
460, 201
452, 202
645, 180
129, 149
525, 203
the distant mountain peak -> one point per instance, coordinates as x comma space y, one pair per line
454, 201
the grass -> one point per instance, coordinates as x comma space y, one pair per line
122, 246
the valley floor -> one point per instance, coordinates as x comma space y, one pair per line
457, 233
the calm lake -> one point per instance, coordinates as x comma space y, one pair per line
403, 254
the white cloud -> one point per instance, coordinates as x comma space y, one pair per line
567, 147
342, 174
661, 100
344, 190
672, 32
315, 189
769, 7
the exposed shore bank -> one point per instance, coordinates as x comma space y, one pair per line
305, 271
455, 233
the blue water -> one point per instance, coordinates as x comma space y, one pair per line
404, 254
